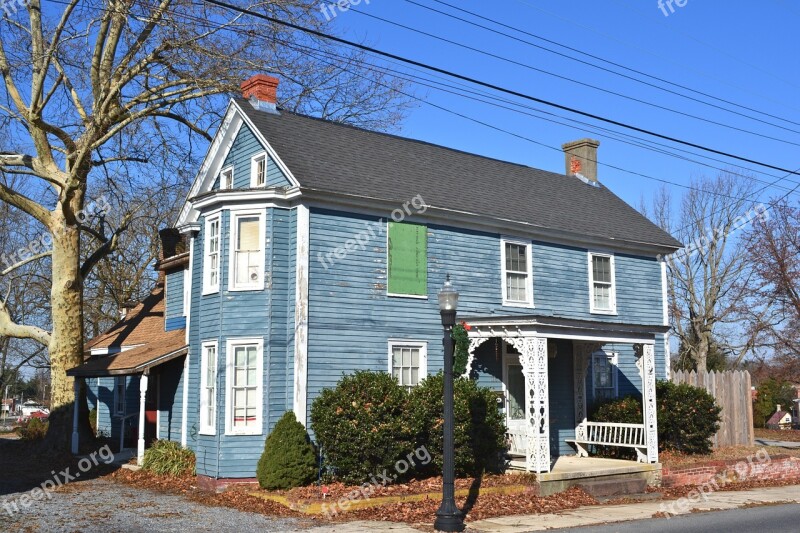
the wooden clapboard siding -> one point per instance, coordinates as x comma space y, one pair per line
352, 318
244, 147
231, 314
170, 398
174, 315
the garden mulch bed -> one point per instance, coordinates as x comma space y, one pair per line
415, 512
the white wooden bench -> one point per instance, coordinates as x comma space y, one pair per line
611, 434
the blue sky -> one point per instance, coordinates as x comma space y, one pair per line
744, 52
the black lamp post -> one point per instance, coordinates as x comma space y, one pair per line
448, 517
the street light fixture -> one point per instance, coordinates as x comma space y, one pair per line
448, 517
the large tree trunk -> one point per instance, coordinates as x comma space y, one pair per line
66, 345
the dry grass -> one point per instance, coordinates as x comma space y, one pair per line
728, 453
790, 435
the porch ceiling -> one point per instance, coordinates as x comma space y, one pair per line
562, 328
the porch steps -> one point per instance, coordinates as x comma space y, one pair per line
600, 477
607, 488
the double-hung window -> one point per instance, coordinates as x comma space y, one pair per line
208, 389
211, 263
408, 362
243, 381
119, 395
258, 170
407, 260
226, 178
604, 376
517, 273
603, 298
247, 250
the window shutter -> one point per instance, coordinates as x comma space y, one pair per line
408, 259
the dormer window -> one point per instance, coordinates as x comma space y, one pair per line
226, 178
258, 170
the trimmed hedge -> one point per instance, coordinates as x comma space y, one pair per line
368, 422
361, 425
33, 429
687, 416
479, 425
289, 459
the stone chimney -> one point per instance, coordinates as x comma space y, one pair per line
262, 91
778, 410
581, 159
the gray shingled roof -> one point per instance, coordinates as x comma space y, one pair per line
333, 157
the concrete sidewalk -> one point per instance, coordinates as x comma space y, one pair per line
598, 514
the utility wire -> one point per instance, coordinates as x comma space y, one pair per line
577, 82
604, 60
495, 87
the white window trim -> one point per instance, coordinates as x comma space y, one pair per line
423, 354
254, 169
613, 358
613, 290
207, 287
207, 429
262, 224
222, 178
529, 284
229, 360
187, 290
124, 381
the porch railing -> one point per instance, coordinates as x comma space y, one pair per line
517, 441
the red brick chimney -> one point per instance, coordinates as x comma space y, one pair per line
261, 87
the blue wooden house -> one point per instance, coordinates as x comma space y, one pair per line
309, 249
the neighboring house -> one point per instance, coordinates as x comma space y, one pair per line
312, 249
780, 419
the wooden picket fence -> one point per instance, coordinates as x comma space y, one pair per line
731, 389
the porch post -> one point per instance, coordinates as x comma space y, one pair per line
646, 352
142, 419
533, 357
76, 387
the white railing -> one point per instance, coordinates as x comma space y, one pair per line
517, 441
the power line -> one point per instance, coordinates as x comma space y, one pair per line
604, 60
578, 82
495, 87
323, 59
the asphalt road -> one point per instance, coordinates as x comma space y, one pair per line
764, 519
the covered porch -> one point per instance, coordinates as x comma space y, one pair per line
548, 372
145, 365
